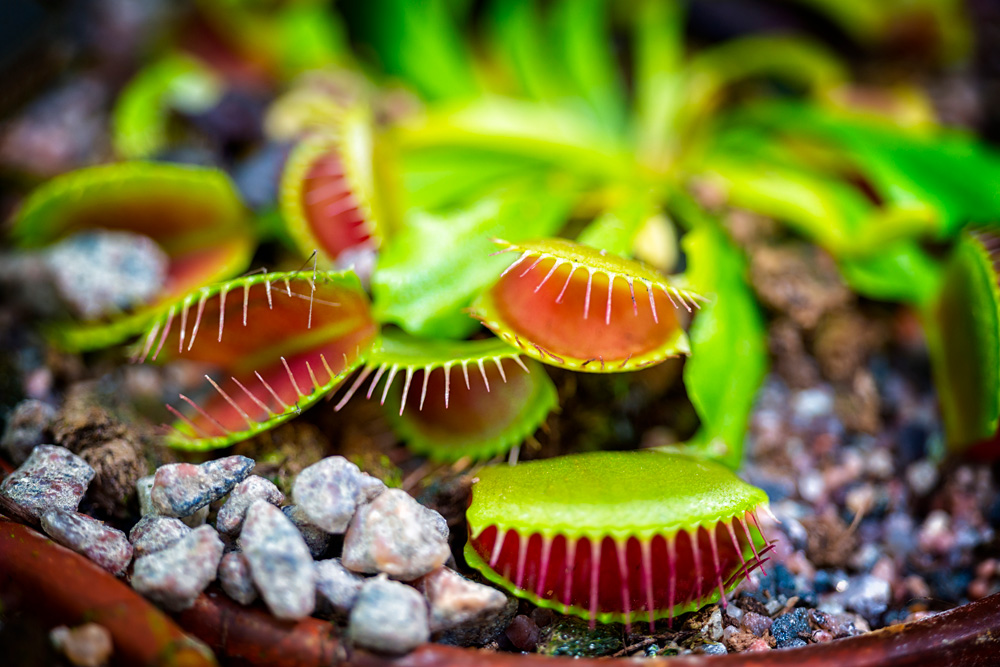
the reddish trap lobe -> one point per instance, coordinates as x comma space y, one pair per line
454, 408
273, 391
659, 575
193, 269
331, 207
249, 328
553, 309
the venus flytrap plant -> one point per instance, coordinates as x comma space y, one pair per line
543, 300
963, 328
282, 341
192, 213
616, 536
457, 399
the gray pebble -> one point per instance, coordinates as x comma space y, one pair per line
144, 488
155, 533
456, 601
106, 272
280, 562
389, 617
106, 546
397, 535
316, 539
179, 489
337, 585
235, 578
230, 517
330, 491
52, 478
175, 576
26, 428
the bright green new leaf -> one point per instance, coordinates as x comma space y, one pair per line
728, 344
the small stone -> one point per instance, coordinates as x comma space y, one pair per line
798, 642
230, 517
87, 645
756, 623
26, 428
155, 533
175, 576
821, 637
104, 272
523, 633
713, 627
337, 585
51, 478
235, 578
316, 538
397, 535
144, 488
457, 601
867, 595
280, 562
922, 476
330, 491
712, 648
758, 645
788, 627
389, 617
179, 489
106, 546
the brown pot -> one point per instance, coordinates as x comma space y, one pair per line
64, 587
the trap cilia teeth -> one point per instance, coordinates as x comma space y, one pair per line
278, 343
328, 192
192, 214
579, 308
616, 536
456, 399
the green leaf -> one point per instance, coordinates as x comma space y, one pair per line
901, 271
616, 229
142, 112
659, 80
728, 344
581, 37
521, 45
439, 261
421, 42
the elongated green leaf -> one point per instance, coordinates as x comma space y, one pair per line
439, 261
659, 52
420, 42
521, 45
901, 271
579, 28
728, 344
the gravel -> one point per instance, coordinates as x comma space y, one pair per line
87, 645
388, 617
396, 535
230, 518
103, 272
317, 539
329, 492
51, 478
144, 489
280, 562
235, 577
106, 546
174, 577
456, 601
337, 586
155, 533
27, 427
179, 489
